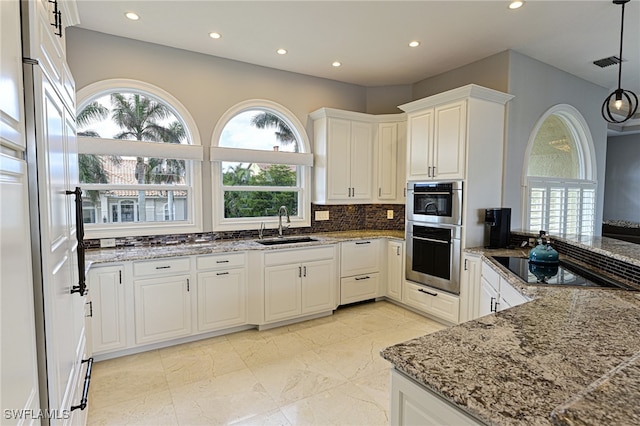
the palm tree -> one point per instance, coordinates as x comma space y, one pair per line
90, 166
283, 131
140, 117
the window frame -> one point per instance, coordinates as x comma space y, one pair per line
303, 159
586, 180
192, 153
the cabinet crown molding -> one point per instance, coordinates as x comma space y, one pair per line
464, 92
357, 116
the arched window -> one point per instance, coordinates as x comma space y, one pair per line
260, 161
139, 152
560, 188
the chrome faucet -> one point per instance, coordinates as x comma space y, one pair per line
261, 231
281, 211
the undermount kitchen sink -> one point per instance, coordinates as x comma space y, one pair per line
290, 240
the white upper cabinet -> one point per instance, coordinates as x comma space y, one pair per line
437, 142
441, 129
356, 157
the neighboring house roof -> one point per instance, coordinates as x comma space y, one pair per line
124, 173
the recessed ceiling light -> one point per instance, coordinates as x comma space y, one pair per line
131, 15
336, 64
414, 43
281, 51
215, 35
516, 4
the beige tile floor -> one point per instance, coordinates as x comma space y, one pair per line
326, 371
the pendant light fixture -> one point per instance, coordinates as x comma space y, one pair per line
622, 103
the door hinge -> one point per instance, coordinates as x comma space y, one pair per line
30, 61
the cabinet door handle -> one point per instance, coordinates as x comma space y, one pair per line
491, 308
379, 192
434, 171
188, 289
120, 276
465, 265
363, 242
305, 272
90, 309
398, 251
362, 278
163, 267
222, 273
299, 271
427, 292
429, 171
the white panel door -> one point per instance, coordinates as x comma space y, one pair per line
282, 292
318, 284
162, 308
222, 299
420, 140
107, 296
449, 141
395, 271
488, 298
361, 161
338, 159
388, 161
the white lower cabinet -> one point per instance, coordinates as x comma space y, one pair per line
301, 288
431, 301
469, 286
222, 299
162, 308
496, 294
360, 270
108, 325
413, 404
395, 269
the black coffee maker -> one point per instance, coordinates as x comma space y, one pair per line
498, 222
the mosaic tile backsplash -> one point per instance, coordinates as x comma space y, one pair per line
341, 218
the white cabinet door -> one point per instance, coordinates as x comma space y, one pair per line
509, 296
162, 308
395, 271
488, 298
413, 404
222, 299
419, 145
361, 161
317, 286
282, 292
449, 141
108, 325
388, 161
338, 159
469, 287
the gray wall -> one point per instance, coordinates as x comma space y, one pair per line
385, 99
491, 72
537, 87
207, 86
622, 186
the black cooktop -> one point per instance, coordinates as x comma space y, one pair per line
566, 273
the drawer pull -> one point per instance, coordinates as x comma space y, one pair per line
163, 267
222, 273
363, 242
427, 292
222, 261
362, 278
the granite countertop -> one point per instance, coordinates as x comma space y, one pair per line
123, 254
568, 357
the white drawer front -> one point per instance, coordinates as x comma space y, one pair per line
360, 257
162, 266
284, 257
358, 288
437, 303
490, 275
227, 260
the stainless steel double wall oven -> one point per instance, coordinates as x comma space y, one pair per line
433, 231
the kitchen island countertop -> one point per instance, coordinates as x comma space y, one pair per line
568, 357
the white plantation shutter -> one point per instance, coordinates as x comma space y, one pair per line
562, 207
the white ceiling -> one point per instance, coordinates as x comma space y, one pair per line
370, 37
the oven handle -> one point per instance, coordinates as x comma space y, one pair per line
431, 240
432, 193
